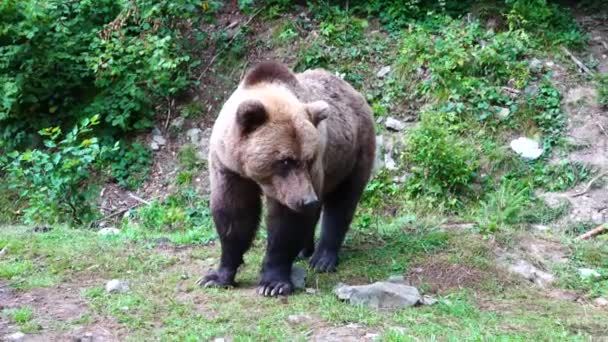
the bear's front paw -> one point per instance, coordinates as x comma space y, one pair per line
220, 278
324, 261
275, 288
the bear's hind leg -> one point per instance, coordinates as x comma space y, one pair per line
288, 233
235, 206
338, 210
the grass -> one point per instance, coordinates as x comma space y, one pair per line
165, 304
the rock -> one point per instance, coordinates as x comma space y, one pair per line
154, 146
526, 148
298, 319
535, 65
203, 144
532, 273
178, 123
383, 71
18, 336
380, 295
394, 124
108, 231
601, 301
159, 139
503, 113
550, 64
588, 273
378, 163
310, 290
540, 227
219, 339
117, 286
298, 277
397, 279
428, 300
389, 162
194, 135
531, 90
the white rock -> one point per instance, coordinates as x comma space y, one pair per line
108, 231
503, 113
394, 124
117, 286
380, 295
601, 301
526, 148
194, 135
18, 336
383, 71
310, 290
159, 140
390, 163
154, 146
587, 273
298, 319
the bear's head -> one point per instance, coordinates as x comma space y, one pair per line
280, 144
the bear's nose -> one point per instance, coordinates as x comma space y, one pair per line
309, 202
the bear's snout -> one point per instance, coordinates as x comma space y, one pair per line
309, 202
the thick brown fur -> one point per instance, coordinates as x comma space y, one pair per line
306, 142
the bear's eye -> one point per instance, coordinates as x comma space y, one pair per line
288, 162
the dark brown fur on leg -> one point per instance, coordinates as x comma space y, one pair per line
287, 231
236, 206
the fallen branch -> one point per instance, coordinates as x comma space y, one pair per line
595, 179
578, 62
139, 199
602, 128
593, 232
236, 34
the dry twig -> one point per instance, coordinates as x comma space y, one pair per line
578, 62
595, 179
593, 232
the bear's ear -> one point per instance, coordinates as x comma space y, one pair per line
317, 111
250, 115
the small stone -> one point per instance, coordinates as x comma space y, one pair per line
124, 309
310, 290
550, 64
219, 339
298, 319
428, 300
394, 124
397, 279
601, 301
194, 135
541, 228
117, 286
587, 273
536, 65
159, 140
532, 273
383, 71
503, 112
389, 162
154, 146
18, 336
526, 148
298, 277
108, 231
178, 123
380, 295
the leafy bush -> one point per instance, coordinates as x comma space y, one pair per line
442, 163
130, 165
54, 183
179, 212
62, 61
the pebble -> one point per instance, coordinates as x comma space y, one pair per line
108, 231
394, 124
117, 286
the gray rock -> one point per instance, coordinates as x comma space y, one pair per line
380, 295
203, 144
159, 140
588, 273
298, 277
298, 319
117, 286
194, 135
526, 148
601, 301
390, 163
108, 231
536, 65
178, 123
532, 273
394, 124
531, 90
503, 113
383, 71
154, 146
378, 162
310, 290
18, 336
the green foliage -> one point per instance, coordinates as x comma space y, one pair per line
130, 165
442, 163
55, 182
602, 89
62, 61
503, 207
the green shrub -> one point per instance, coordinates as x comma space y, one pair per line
55, 183
130, 165
62, 61
442, 163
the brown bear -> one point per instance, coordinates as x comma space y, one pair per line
305, 142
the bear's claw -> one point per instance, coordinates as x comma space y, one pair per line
275, 288
324, 261
215, 279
